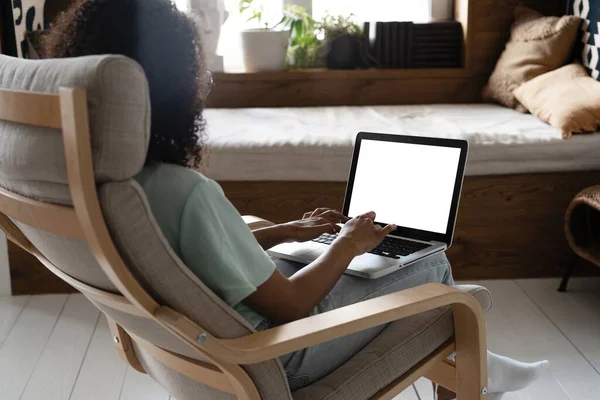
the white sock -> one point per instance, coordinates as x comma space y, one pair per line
508, 375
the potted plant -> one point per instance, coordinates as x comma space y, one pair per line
342, 41
304, 43
264, 43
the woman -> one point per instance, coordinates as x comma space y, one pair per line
202, 226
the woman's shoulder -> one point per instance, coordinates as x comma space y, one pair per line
174, 180
171, 174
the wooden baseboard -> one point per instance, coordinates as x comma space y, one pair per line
29, 276
508, 226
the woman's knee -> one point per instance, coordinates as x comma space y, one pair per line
438, 265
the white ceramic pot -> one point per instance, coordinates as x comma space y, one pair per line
442, 10
263, 49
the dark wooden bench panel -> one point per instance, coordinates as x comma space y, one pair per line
508, 227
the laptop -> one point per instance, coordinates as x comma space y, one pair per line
412, 182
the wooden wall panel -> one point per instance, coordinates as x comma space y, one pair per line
508, 226
362, 91
29, 276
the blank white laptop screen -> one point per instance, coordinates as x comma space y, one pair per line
410, 185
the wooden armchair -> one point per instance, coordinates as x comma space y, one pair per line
73, 134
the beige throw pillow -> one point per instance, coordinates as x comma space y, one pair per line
567, 98
537, 45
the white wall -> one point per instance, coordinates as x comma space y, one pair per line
4, 271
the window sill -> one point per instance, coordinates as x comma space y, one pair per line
328, 75
321, 87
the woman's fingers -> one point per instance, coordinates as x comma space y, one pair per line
386, 231
319, 211
318, 230
323, 221
339, 215
306, 215
369, 215
334, 216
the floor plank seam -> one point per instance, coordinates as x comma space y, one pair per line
123, 383
16, 319
558, 327
85, 355
45, 344
416, 391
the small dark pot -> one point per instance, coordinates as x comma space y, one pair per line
344, 53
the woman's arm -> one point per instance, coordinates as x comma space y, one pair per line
312, 225
271, 236
287, 299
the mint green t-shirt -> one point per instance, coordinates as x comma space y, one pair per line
207, 233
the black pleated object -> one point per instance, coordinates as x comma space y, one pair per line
410, 45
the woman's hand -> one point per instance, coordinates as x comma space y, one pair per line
314, 224
311, 226
285, 299
364, 233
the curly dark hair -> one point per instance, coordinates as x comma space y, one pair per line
166, 43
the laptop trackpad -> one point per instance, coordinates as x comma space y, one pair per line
367, 262
296, 249
371, 263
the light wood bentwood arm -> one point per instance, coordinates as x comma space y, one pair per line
84, 221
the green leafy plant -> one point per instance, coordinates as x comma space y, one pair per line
338, 25
255, 12
304, 44
343, 42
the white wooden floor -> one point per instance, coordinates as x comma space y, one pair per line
58, 347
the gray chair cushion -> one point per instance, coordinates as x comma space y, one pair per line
32, 159
179, 386
398, 348
157, 267
71, 256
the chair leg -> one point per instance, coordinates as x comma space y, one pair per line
471, 352
124, 346
567, 275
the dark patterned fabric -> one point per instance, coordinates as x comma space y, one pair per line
28, 16
589, 49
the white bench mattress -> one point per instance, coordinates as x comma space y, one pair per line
315, 143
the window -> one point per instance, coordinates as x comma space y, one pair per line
363, 11
375, 10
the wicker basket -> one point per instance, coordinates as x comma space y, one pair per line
582, 224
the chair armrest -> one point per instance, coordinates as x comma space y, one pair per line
284, 339
256, 222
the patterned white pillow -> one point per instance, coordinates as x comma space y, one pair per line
589, 49
28, 15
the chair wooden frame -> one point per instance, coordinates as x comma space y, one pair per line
67, 110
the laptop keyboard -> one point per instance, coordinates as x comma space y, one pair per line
391, 247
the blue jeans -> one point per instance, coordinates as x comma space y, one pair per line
311, 364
